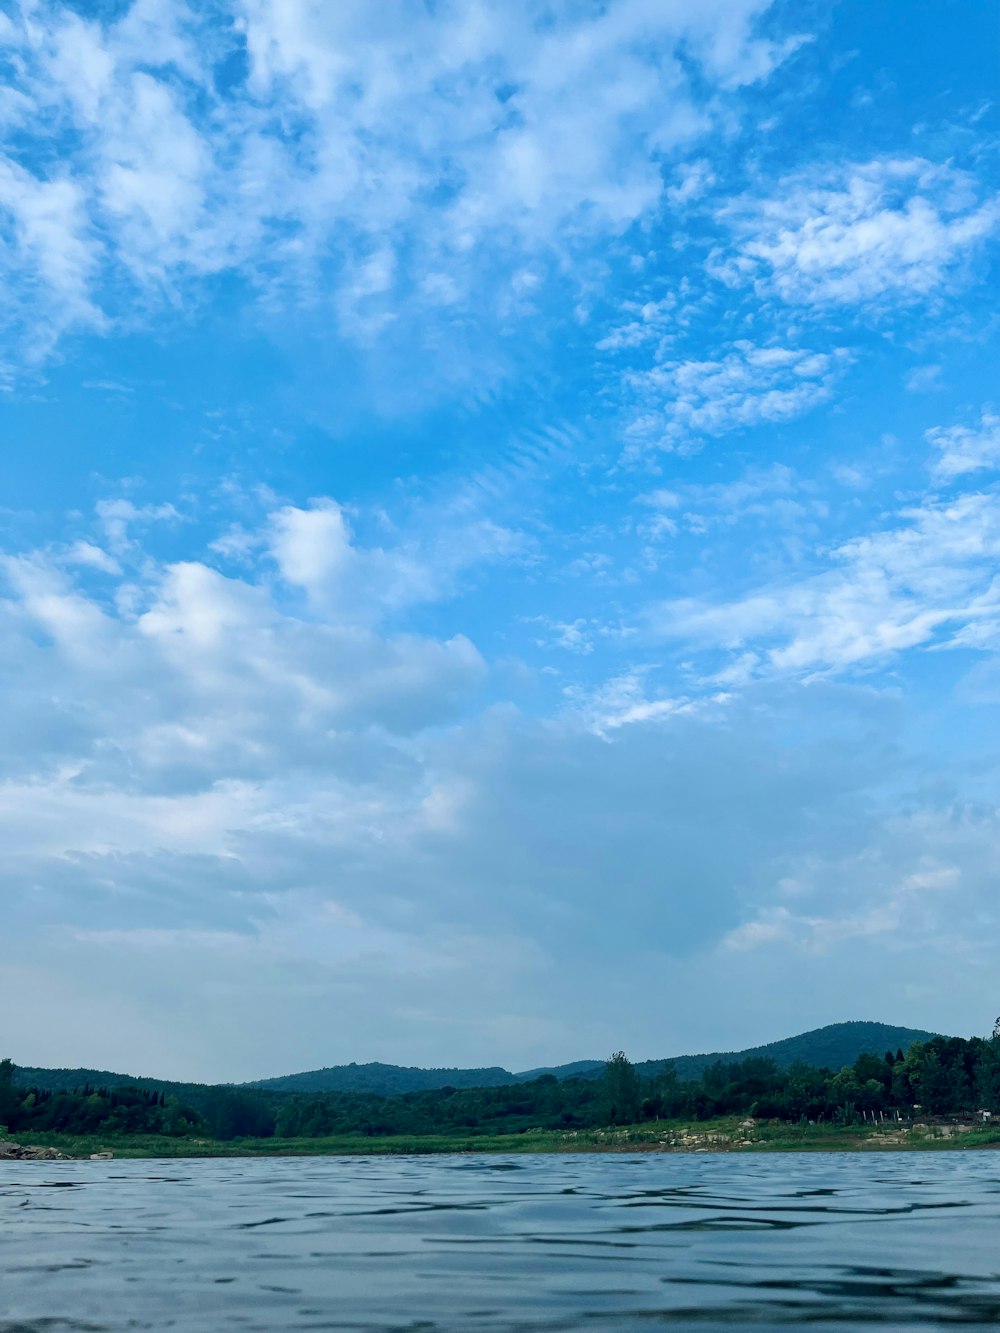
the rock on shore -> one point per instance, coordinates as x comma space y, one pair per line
24, 1152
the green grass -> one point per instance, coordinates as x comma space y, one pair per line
858, 1138
724, 1135
155, 1145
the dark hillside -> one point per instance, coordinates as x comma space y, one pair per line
384, 1080
948, 1076
578, 1069
65, 1080
830, 1047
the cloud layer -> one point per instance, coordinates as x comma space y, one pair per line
295, 144
499, 559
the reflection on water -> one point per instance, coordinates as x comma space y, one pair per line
603, 1242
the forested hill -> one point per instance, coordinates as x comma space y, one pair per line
830, 1047
66, 1080
385, 1080
946, 1076
578, 1069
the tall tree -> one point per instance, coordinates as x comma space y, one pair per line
9, 1096
621, 1085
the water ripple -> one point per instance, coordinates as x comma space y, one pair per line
532, 1245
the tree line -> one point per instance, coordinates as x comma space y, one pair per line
947, 1076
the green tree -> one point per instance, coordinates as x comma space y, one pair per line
621, 1085
869, 1067
10, 1097
233, 1114
932, 1082
846, 1093
988, 1076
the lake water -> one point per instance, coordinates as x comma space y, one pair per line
602, 1242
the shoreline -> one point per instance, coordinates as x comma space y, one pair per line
724, 1136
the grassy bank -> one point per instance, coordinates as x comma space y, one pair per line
726, 1135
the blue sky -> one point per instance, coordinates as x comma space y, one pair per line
501, 527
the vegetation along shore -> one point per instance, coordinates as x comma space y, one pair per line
725, 1134
943, 1092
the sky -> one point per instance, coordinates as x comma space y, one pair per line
499, 529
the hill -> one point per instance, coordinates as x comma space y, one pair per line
65, 1080
578, 1069
384, 1080
829, 1047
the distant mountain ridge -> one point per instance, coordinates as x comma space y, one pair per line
577, 1069
829, 1047
384, 1080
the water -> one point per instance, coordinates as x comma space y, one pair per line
603, 1242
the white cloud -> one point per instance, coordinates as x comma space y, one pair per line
924, 379
930, 581
118, 516
773, 495
694, 178
646, 322
626, 700
86, 553
965, 449
900, 892
50, 257
259, 810
574, 636
681, 402
893, 229
346, 151
315, 551
188, 678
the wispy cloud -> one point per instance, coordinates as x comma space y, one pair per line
774, 495
50, 259
890, 230
929, 581
316, 149
965, 449
904, 910
631, 699
680, 403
